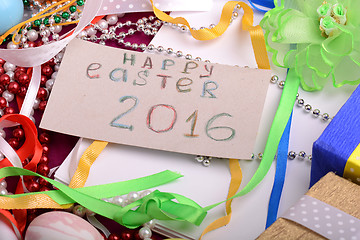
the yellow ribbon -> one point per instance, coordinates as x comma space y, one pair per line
86, 160
352, 167
256, 33
236, 177
77, 181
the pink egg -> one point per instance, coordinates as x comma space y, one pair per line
59, 226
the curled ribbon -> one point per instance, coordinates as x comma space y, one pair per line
156, 205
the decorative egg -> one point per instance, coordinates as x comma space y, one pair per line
59, 225
6, 230
11, 13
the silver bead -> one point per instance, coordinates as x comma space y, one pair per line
135, 46
188, 57
169, 51
200, 158
145, 232
206, 162
79, 210
260, 156
147, 31
325, 117
140, 22
179, 54
131, 31
142, 46
158, 23
9, 67
119, 25
93, 38
235, 14
8, 96
308, 108
128, 23
316, 113
183, 28
151, 18
300, 102
102, 42
292, 155
160, 48
281, 84
150, 224
309, 157
198, 59
45, 39
274, 79
150, 47
212, 26
127, 44
252, 156
302, 154
297, 95
56, 36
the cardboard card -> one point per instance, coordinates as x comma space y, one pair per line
155, 101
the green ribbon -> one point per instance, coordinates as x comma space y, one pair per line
282, 115
157, 205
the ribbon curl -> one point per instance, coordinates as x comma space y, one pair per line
157, 205
319, 39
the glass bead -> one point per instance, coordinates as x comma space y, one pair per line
292, 155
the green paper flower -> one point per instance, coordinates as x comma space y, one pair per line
319, 39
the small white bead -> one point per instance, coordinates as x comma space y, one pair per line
57, 67
132, 196
144, 193
36, 103
91, 31
11, 74
82, 34
112, 19
49, 84
58, 28
102, 24
145, 232
9, 67
8, 95
32, 35
3, 191
3, 184
119, 200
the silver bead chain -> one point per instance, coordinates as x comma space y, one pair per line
300, 102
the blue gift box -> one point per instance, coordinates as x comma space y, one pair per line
337, 143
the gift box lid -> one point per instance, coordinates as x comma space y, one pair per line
335, 145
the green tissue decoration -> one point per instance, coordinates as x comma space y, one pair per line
319, 39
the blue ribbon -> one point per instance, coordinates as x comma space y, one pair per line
279, 175
263, 3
